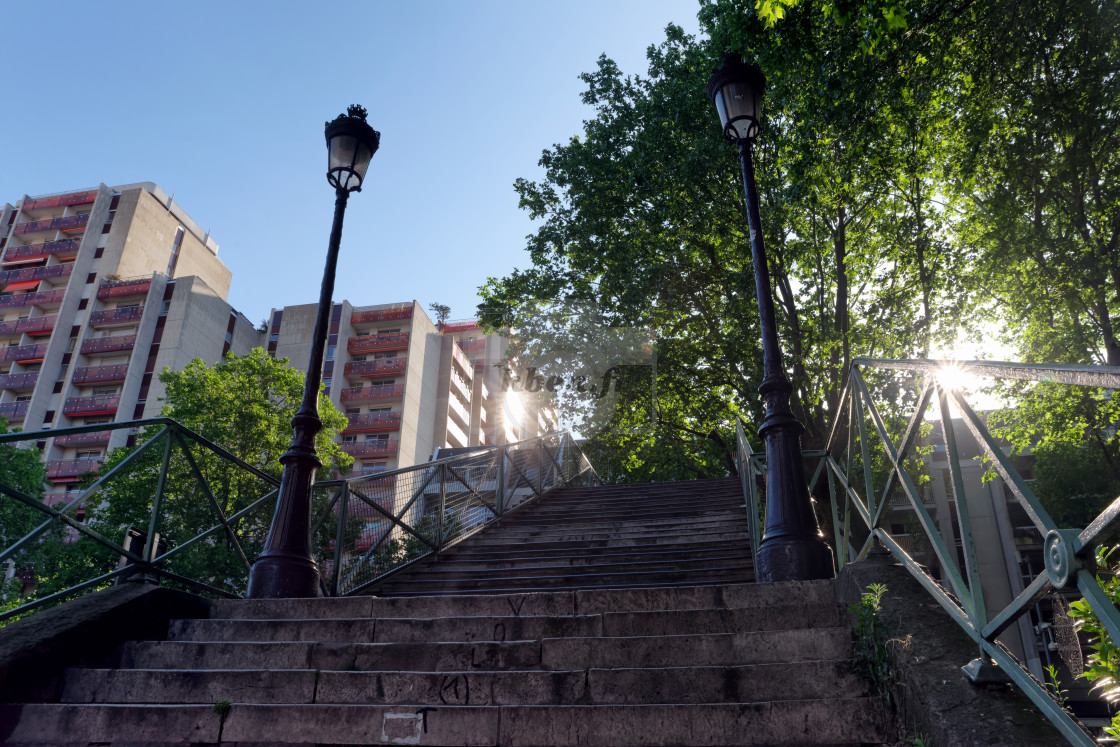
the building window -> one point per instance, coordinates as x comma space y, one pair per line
330, 352
175, 252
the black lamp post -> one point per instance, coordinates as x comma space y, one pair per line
791, 547
286, 567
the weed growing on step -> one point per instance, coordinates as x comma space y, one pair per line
870, 647
222, 708
1055, 686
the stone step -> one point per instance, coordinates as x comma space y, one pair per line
572, 577
635, 524
714, 649
495, 539
451, 588
516, 559
502, 628
588, 601
389, 630
714, 684
468, 551
461, 569
832, 721
648, 518
549, 511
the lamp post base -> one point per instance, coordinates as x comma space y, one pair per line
793, 559
281, 575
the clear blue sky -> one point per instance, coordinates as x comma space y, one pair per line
223, 104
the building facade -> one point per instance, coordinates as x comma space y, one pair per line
408, 386
99, 290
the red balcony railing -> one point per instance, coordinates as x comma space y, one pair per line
66, 225
372, 393
13, 410
70, 469
20, 381
381, 315
111, 317
74, 198
473, 347
98, 404
36, 273
40, 298
102, 345
100, 374
367, 449
457, 327
374, 421
124, 288
370, 343
65, 249
40, 325
385, 367
83, 439
25, 353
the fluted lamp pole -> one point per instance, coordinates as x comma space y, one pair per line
792, 548
286, 567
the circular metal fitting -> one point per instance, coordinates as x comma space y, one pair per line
1060, 560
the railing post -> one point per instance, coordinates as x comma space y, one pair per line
340, 532
157, 502
500, 489
442, 506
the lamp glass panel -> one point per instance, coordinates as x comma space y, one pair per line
341, 152
739, 100
361, 160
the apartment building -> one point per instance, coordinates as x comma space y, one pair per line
99, 290
408, 386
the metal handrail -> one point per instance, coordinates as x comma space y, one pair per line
1068, 553
431, 506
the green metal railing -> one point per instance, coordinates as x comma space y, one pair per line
175, 481
869, 473
386, 521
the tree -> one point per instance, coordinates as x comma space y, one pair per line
244, 405
442, 311
23, 470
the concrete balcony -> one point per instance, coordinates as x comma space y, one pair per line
115, 317
69, 224
466, 368
19, 382
118, 289
385, 367
65, 249
83, 439
374, 421
25, 353
40, 298
380, 315
13, 410
105, 345
69, 470
461, 385
40, 325
29, 274
456, 436
374, 343
98, 404
54, 201
372, 393
100, 374
457, 410
371, 449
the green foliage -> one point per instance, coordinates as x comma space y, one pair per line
1055, 685
919, 184
1103, 661
872, 656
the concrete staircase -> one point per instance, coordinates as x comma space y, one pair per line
585, 620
